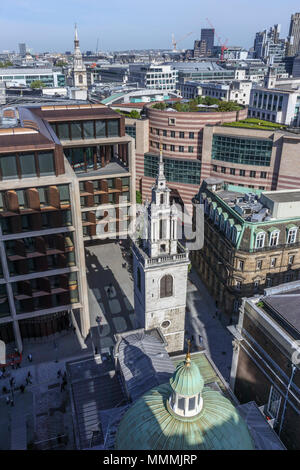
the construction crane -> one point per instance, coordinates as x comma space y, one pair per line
222, 44
174, 42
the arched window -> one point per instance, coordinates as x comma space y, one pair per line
166, 286
161, 198
80, 78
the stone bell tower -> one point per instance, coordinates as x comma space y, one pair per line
160, 267
79, 69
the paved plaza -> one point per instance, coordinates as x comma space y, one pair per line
110, 292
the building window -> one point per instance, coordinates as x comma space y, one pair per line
242, 150
240, 265
27, 164
191, 135
232, 171
238, 285
274, 237
215, 168
223, 169
181, 135
260, 240
166, 286
172, 134
157, 131
191, 149
242, 172
273, 262
292, 235
263, 174
9, 167
46, 163
172, 148
256, 286
291, 259
113, 128
252, 174
259, 264
273, 403
164, 133
181, 148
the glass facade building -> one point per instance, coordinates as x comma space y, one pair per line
242, 150
176, 170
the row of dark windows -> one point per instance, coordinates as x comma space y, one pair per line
92, 129
172, 148
181, 171
37, 221
26, 165
235, 171
165, 133
42, 196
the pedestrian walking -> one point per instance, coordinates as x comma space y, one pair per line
29, 374
29, 357
96, 350
22, 388
11, 381
12, 403
58, 373
7, 400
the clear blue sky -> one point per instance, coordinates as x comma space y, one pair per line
135, 24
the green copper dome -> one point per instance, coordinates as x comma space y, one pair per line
152, 424
187, 379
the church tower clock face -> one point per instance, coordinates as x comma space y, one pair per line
160, 266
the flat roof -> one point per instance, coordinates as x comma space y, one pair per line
285, 307
285, 196
77, 112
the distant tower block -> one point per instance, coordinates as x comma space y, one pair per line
160, 266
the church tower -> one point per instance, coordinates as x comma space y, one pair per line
160, 267
79, 69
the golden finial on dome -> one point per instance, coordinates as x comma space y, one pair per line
188, 354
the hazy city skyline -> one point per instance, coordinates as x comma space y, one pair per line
121, 26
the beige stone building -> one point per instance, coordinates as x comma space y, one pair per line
251, 241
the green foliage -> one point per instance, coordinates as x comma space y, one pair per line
134, 114
189, 267
161, 105
139, 197
37, 84
192, 105
260, 304
7, 63
252, 123
61, 63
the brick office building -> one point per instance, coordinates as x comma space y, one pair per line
251, 241
265, 364
181, 136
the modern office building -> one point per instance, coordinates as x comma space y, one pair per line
268, 46
251, 241
264, 159
23, 49
237, 90
202, 72
25, 76
294, 35
296, 67
181, 136
160, 77
67, 175
277, 103
265, 363
208, 35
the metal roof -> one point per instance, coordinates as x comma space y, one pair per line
144, 363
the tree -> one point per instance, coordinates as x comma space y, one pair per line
60, 63
161, 105
139, 197
37, 84
134, 114
7, 63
